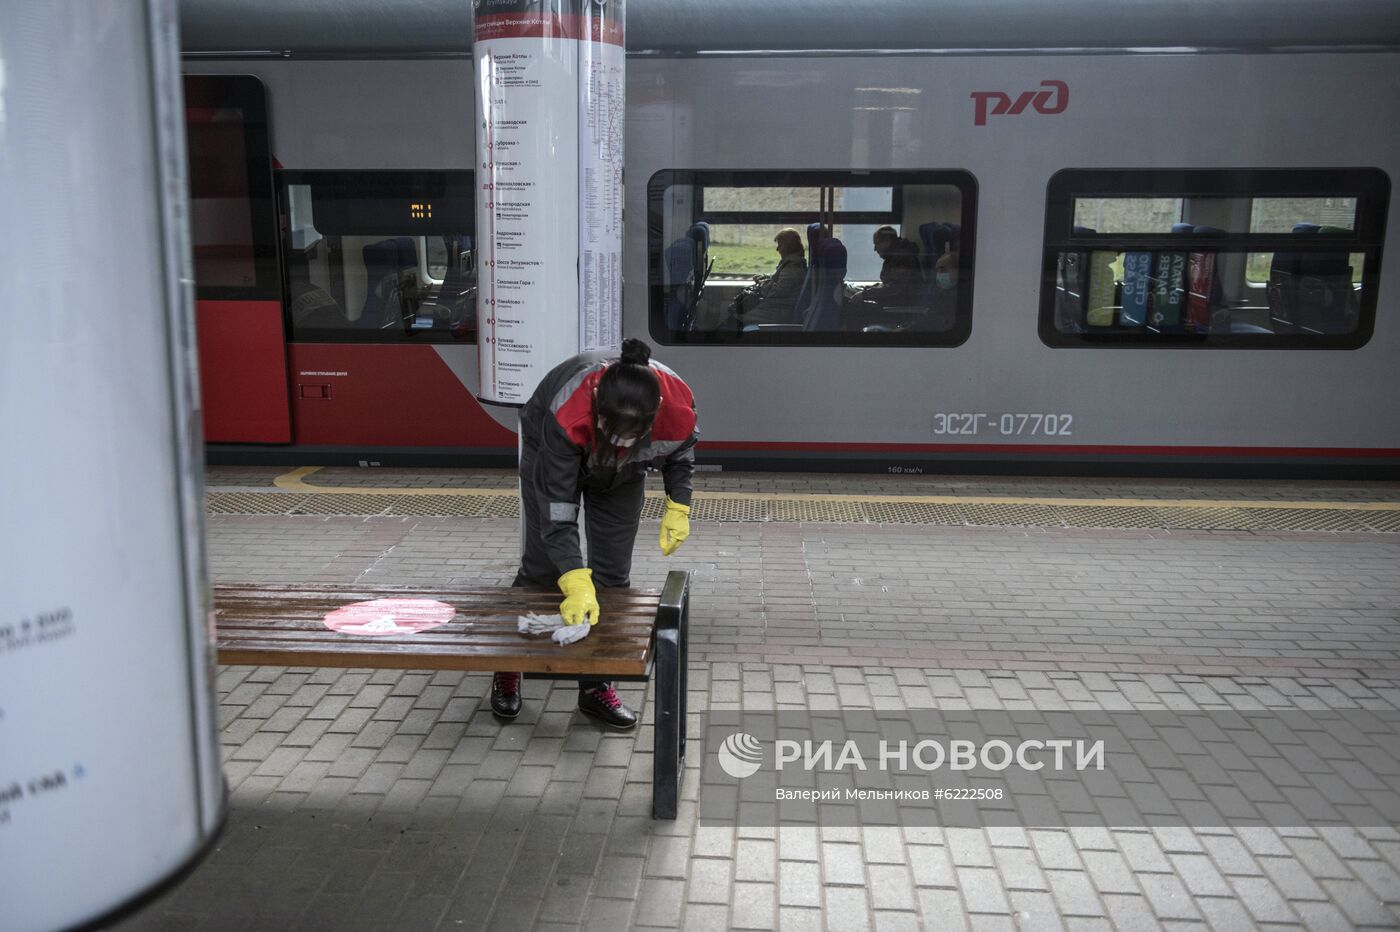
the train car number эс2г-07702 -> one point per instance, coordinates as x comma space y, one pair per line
1007, 425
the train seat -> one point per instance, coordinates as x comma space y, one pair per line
686, 267
1072, 287
460, 271
678, 270
936, 237
699, 235
816, 232
313, 308
1215, 316
1311, 292
388, 266
828, 275
408, 252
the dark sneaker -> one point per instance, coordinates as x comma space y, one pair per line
505, 695
602, 703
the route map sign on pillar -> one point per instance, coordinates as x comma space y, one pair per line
550, 105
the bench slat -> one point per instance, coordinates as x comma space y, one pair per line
500, 599
490, 661
617, 642
455, 630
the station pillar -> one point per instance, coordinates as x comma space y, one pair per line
549, 139
110, 780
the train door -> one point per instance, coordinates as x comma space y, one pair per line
233, 233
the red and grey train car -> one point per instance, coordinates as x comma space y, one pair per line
1152, 243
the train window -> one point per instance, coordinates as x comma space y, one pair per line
811, 257
1268, 258
233, 236
379, 257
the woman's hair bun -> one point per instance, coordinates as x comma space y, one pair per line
635, 352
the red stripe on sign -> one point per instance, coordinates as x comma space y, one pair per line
718, 446
551, 26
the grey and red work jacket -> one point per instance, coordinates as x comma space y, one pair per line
558, 426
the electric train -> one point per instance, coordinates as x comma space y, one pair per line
1147, 244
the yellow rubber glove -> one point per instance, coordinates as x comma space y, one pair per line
580, 598
675, 526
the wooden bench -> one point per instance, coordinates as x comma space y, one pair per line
640, 630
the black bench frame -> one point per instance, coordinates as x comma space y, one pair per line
668, 669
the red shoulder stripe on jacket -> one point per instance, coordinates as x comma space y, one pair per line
676, 418
575, 415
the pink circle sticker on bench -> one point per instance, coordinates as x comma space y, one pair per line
390, 616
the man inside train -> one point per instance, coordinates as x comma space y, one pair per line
891, 247
901, 286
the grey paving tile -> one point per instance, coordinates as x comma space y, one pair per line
931, 866
710, 881
754, 905
1168, 897
1034, 910
890, 888
847, 909
609, 914
756, 860
842, 864
885, 921
660, 902
1132, 913
1109, 872
706, 918
982, 889
1074, 893
942, 909
795, 919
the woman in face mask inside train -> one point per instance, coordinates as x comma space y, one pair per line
590, 432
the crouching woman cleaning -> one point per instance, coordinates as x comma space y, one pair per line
589, 434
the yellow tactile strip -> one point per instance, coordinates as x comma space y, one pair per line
297, 497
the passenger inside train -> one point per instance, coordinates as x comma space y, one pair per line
901, 283
895, 253
771, 299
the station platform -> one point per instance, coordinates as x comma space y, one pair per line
394, 800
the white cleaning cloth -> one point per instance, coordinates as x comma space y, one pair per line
553, 625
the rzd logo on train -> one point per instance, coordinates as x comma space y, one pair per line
1001, 103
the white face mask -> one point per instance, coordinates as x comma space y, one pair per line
944, 279
616, 440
